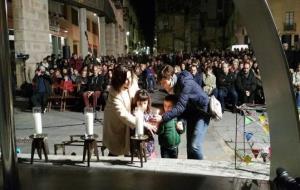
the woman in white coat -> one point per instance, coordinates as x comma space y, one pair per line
117, 116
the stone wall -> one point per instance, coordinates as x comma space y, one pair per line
31, 24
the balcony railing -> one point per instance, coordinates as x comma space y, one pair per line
289, 26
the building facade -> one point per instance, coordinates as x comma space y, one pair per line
286, 15
43, 27
191, 25
287, 18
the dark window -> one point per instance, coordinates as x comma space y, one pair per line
296, 38
88, 25
289, 17
95, 28
75, 17
95, 52
65, 11
246, 39
75, 49
286, 39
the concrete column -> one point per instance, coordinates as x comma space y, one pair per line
102, 43
83, 31
117, 48
110, 39
123, 41
31, 24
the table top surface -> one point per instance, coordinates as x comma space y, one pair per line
38, 136
141, 137
89, 137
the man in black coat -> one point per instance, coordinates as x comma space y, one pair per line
246, 84
41, 88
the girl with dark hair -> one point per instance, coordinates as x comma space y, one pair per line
142, 100
117, 114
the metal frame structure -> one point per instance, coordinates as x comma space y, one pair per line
280, 98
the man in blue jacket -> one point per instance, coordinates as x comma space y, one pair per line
192, 106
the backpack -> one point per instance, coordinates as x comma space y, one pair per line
215, 108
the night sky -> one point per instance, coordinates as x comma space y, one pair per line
145, 10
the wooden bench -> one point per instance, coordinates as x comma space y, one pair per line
75, 140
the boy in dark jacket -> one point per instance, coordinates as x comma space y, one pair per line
168, 132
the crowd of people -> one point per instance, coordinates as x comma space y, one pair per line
114, 86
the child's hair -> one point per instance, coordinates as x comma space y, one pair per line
141, 95
171, 98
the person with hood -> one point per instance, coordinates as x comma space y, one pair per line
192, 106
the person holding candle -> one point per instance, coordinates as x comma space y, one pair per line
142, 101
118, 119
168, 132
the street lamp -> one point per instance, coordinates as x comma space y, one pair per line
127, 33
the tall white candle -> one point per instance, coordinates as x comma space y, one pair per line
139, 128
89, 123
37, 123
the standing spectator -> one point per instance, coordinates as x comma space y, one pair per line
191, 106
89, 59
290, 56
226, 89
259, 94
76, 63
150, 78
246, 84
42, 89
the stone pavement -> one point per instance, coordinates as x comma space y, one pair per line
59, 125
